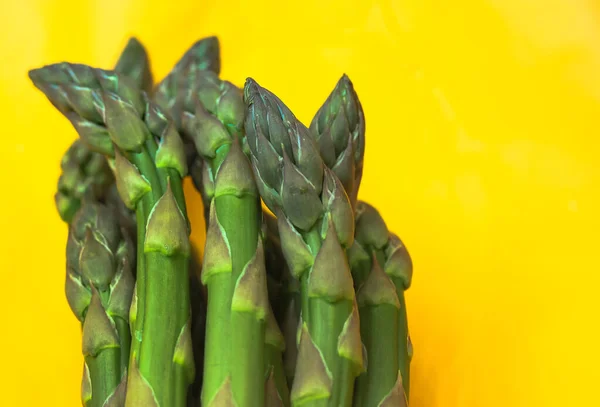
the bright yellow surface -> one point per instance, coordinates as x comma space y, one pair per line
482, 127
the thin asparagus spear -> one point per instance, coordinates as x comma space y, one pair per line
339, 129
114, 118
315, 222
99, 288
237, 288
374, 242
379, 306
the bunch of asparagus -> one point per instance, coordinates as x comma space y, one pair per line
297, 303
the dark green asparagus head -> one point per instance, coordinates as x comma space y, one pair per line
135, 64
84, 173
204, 55
339, 129
213, 114
289, 171
372, 236
100, 256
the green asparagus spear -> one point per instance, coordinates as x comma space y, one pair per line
115, 119
99, 288
378, 306
374, 244
315, 223
235, 276
339, 129
87, 173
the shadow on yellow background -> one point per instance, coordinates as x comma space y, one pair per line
482, 154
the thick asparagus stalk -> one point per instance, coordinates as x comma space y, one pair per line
99, 288
374, 243
114, 118
315, 223
235, 276
339, 129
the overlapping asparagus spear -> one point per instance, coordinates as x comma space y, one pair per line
99, 288
234, 269
315, 224
382, 304
114, 118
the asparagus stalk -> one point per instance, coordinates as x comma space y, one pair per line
234, 269
315, 223
379, 307
339, 129
374, 244
99, 288
114, 118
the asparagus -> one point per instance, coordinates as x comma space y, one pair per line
375, 245
115, 119
135, 64
85, 172
315, 224
99, 288
233, 269
339, 129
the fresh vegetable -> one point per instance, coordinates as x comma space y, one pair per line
298, 303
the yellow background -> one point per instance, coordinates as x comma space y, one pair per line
482, 154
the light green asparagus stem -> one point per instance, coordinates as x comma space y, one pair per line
99, 289
233, 268
114, 118
339, 129
374, 242
315, 223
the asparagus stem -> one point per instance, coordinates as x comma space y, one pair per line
234, 259
315, 224
112, 115
374, 243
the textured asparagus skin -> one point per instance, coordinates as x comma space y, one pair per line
213, 113
374, 241
85, 172
99, 288
115, 119
339, 129
315, 224
135, 64
169, 94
